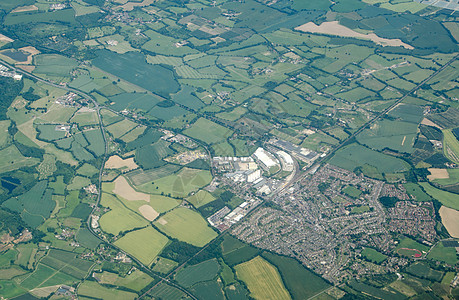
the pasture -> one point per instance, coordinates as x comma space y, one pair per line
151, 156
141, 101
54, 65
37, 204
85, 117
44, 276
133, 134
355, 155
144, 244
120, 128
140, 177
203, 271
201, 198
186, 225
416, 192
87, 170
136, 281
164, 265
396, 135
87, 239
67, 262
10, 289
164, 291
208, 131
119, 218
12, 159
451, 178
133, 68
262, 279
450, 145
180, 184
422, 270
444, 254
163, 204
208, 290
447, 199
93, 289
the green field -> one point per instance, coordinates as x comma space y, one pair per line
354, 156
450, 145
54, 65
422, 270
208, 131
164, 291
186, 225
262, 279
87, 239
12, 159
180, 184
9, 289
67, 262
447, 199
164, 265
373, 255
442, 253
204, 271
151, 156
201, 198
35, 205
352, 191
144, 244
415, 191
136, 281
93, 289
235, 252
120, 128
396, 135
45, 276
119, 218
133, 68
453, 178
300, 282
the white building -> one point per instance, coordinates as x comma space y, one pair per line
286, 160
266, 158
251, 177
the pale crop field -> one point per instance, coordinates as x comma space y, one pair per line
262, 279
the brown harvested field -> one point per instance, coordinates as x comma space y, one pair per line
437, 174
129, 6
116, 162
29, 49
25, 8
334, 28
5, 38
148, 212
427, 122
44, 291
450, 219
125, 190
27, 68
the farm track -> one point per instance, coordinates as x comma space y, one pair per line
297, 178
